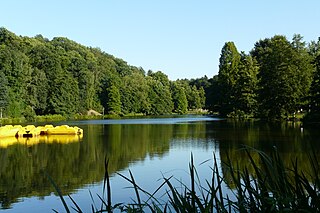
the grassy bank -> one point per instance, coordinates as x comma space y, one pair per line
270, 188
57, 117
38, 118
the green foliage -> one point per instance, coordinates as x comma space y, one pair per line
37, 91
194, 100
194, 91
227, 77
204, 86
213, 95
237, 83
202, 96
284, 78
113, 105
277, 79
50, 118
273, 82
159, 97
179, 98
64, 95
271, 188
134, 94
315, 89
304, 72
246, 87
160, 77
86, 90
16, 107
29, 114
4, 91
159, 94
66, 78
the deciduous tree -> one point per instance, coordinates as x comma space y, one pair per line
284, 76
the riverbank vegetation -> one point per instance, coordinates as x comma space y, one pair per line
277, 79
266, 186
61, 77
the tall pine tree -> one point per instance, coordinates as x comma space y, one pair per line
227, 77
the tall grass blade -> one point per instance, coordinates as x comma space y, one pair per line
107, 181
173, 197
151, 196
193, 193
219, 200
58, 191
103, 202
77, 209
93, 203
266, 185
136, 189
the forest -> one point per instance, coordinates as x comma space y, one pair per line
275, 80
41, 77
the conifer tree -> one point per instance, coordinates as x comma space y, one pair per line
228, 76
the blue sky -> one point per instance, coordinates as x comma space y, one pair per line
183, 39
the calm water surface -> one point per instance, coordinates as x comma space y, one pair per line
150, 148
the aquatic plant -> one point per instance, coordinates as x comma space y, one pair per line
271, 187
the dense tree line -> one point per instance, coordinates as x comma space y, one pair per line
277, 79
39, 76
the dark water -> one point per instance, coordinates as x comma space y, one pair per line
149, 148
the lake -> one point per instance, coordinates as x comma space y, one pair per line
151, 148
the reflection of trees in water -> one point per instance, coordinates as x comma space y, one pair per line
190, 134
75, 164
127, 143
289, 139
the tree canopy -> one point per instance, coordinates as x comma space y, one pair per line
274, 81
60, 76
38, 76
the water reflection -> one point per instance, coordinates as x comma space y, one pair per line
5, 142
75, 162
290, 140
72, 165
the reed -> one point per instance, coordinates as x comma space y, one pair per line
270, 188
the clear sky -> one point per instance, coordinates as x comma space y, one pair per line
183, 39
